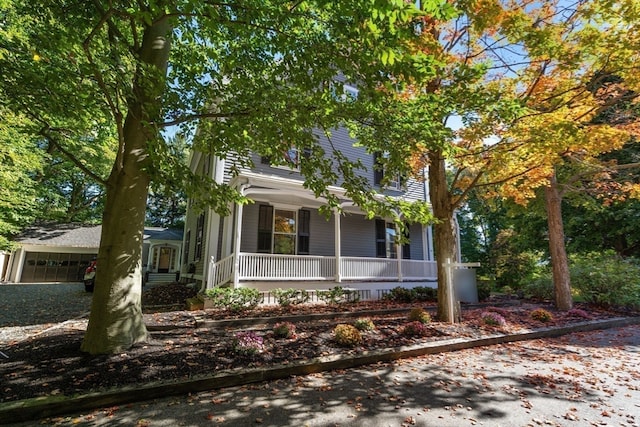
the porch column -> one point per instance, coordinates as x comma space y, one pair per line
236, 244
338, 240
399, 258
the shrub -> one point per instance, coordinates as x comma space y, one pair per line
540, 287
247, 343
415, 329
419, 315
400, 294
234, 299
484, 290
541, 315
347, 335
364, 324
338, 295
287, 297
423, 293
284, 330
492, 318
606, 279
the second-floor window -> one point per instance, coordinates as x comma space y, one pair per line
390, 181
290, 159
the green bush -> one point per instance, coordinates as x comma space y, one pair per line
606, 279
541, 315
234, 299
288, 297
419, 315
284, 330
347, 335
400, 294
364, 324
540, 287
338, 295
424, 293
484, 290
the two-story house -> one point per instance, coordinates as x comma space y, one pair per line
282, 241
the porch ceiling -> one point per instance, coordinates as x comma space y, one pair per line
285, 191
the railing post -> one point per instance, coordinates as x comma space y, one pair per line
210, 274
338, 244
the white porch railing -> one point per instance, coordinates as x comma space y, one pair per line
286, 267
220, 272
266, 267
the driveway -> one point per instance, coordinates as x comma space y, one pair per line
39, 303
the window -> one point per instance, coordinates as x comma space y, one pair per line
385, 239
283, 231
199, 237
290, 159
393, 182
348, 94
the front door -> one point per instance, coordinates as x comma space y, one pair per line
164, 260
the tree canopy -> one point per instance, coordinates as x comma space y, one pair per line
251, 76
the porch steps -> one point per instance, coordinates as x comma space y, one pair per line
160, 278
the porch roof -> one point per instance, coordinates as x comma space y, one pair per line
287, 191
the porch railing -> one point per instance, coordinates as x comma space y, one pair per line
266, 267
285, 267
220, 272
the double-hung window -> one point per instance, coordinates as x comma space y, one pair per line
283, 231
290, 159
390, 181
386, 241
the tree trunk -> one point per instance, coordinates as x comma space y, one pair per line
445, 238
116, 322
559, 261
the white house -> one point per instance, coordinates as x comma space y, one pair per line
282, 241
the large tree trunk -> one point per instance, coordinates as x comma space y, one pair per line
557, 249
116, 322
445, 238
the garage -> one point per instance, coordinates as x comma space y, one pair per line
54, 266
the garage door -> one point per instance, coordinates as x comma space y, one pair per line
54, 267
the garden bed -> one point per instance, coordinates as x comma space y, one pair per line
50, 362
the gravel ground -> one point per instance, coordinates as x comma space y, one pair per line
37, 304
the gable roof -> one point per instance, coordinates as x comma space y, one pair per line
83, 235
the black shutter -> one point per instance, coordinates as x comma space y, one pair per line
381, 238
378, 173
304, 222
265, 222
406, 247
187, 244
199, 237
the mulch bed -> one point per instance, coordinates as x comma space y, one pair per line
46, 362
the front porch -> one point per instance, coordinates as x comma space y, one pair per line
303, 269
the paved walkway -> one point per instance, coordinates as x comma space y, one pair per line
582, 379
33, 304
